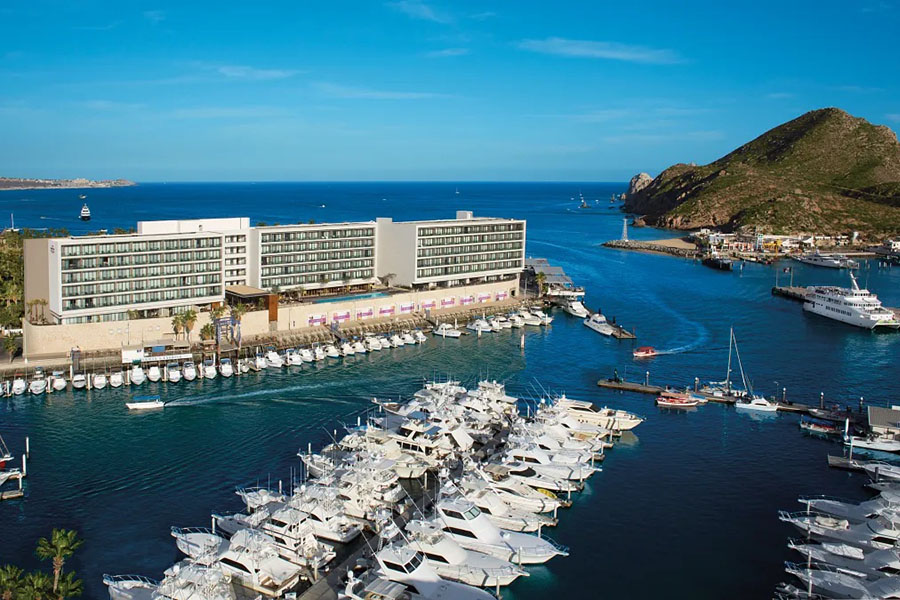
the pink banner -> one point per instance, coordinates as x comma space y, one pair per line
386, 310
467, 300
448, 301
317, 319
502, 295
365, 313
338, 317
409, 307
429, 304
484, 297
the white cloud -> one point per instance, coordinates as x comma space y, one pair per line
155, 16
416, 9
349, 92
254, 74
228, 112
447, 52
605, 50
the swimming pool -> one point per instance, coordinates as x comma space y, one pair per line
355, 297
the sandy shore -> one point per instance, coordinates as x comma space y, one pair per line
673, 243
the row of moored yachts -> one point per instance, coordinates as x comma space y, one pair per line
848, 549
497, 480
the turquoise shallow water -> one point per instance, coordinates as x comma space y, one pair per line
685, 508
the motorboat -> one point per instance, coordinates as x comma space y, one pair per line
116, 379
291, 358
189, 372
598, 323
543, 317
319, 353
58, 381
453, 562
244, 365
576, 309
820, 427
173, 372
830, 261
856, 512
79, 382
529, 319
331, 351
38, 385
420, 337
490, 502
833, 582
225, 367
85, 214
859, 562
130, 587
192, 580
516, 321
878, 443
396, 341
209, 369
495, 323
98, 381
372, 344
347, 349
145, 403
517, 489
359, 347
446, 330
408, 339
882, 471
273, 359
306, 355
154, 374
19, 386
138, 376
881, 532
644, 352
260, 362
480, 326
608, 418
758, 404
471, 529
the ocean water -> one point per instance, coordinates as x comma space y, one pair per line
685, 507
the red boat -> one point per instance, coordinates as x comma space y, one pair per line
676, 402
644, 352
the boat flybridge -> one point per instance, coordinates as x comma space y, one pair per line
575, 308
854, 306
186, 580
598, 323
607, 418
827, 581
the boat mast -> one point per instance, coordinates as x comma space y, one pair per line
748, 388
728, 370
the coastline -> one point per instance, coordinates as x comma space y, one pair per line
61, 184
673, 247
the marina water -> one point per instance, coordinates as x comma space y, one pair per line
684, 507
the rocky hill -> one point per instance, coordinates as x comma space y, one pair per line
824, 172
16, 183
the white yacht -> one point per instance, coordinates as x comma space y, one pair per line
471, 528
259, 361
85, 213
598, 323
306, 355
575, 308
852, 305
446, 330
319, 353
331, 351
480, 326
273, 359
347, 349
372, 344
57, 381
516, 321
608, 418
831, 261
173, 372
529, 319
130, 587
359, 347
116, 379
79, 381
137, 375
226, 368
38, 385
396, 341
189, 372
154, 374
758, 404
209, 369
98, 381
408, 339
419, 336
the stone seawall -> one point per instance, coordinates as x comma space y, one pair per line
648, 247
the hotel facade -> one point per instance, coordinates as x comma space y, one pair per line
172, 266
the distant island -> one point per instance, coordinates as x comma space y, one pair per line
18, 183
824, 172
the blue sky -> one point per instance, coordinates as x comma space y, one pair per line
405, 89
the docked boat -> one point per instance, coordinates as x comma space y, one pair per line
598, 323
607, 418
446, 330
57, 381
137, 375
273, 359
757, 404
576, 309
644, 352
419, 336
823, 427
189, 372
225, 367
331, 351
116, 379
145, 403
98, 381
829, 261
480, 326
529, 319
209, 369
38, 385
173, 372
516, 321
79, 382
676, 402
85, 213
346, 349
259, 361
130, 587
853, 305
359, 347
720, 263
154, 373
396, 341
373, 344
408, 339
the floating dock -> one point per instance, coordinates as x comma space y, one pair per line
791, 292
629, 386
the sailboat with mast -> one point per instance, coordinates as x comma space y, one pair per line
749, 401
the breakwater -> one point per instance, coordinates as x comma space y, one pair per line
650, 247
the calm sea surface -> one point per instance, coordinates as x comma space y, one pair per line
685, 508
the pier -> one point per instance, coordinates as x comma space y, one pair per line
791, 292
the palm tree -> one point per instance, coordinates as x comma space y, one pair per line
217, 312
190, 319
541, 280
69, 587
177, 324
11, 345
237, 312
387, 278
62, 544
208, 332
36, 586
10, 581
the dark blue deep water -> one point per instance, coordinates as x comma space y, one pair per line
684, 509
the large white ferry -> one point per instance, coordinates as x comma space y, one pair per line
850, 305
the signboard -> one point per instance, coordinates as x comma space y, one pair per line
484, 297
466, 300
447, 302
428, 304
502, 296
365, 313
386, 310
340, 317
316, 319
408, 307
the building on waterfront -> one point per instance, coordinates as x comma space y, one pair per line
171, 266
447, 253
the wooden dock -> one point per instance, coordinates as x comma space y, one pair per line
629, 386
791, 292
